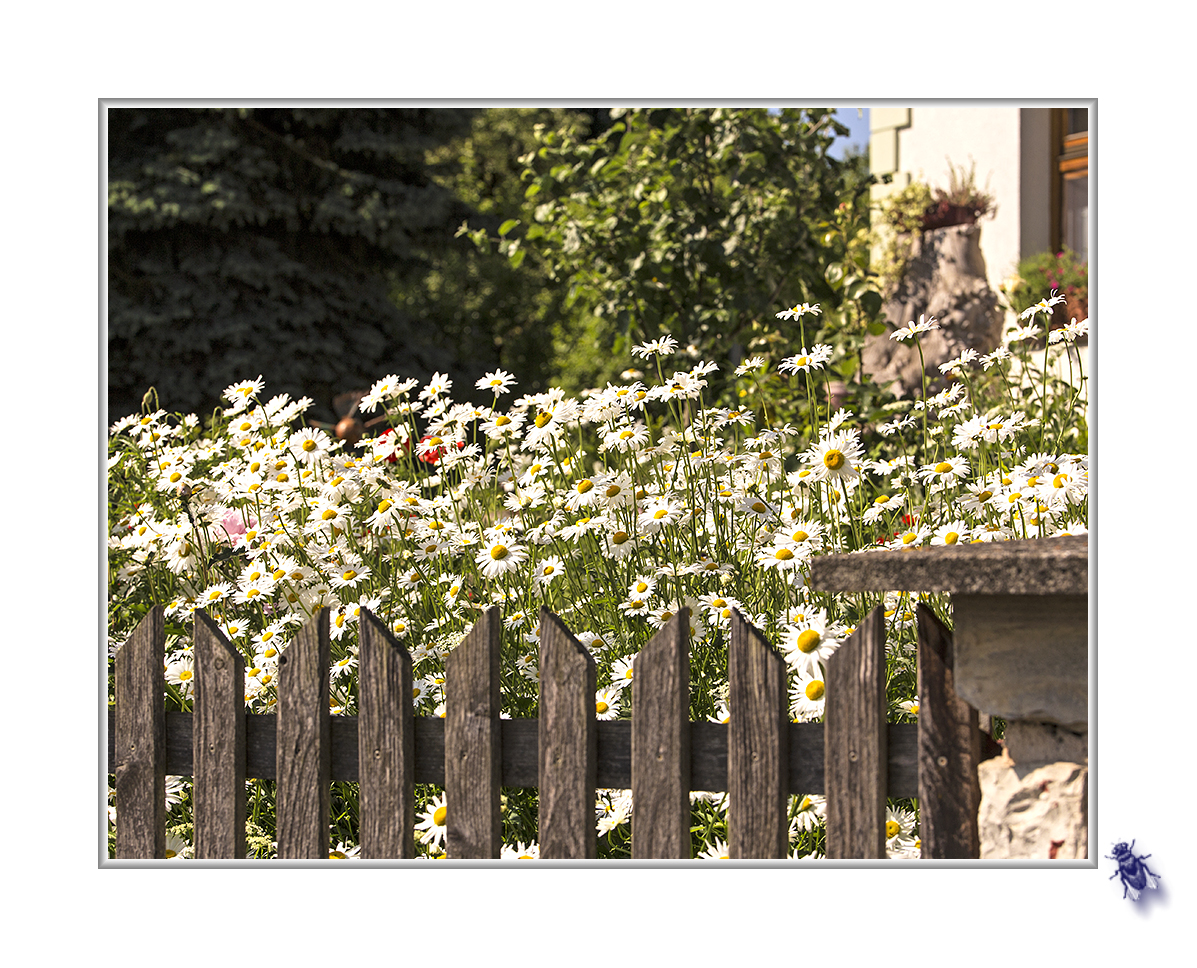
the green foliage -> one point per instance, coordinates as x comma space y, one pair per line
693, 223
266, 241
494, 309
1048, 272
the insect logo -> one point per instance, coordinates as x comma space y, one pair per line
1135, 874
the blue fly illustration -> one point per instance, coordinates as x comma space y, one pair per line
1135, 874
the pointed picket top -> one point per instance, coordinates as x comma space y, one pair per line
661, 743
141, 741
567, 754
758, 754
218, 743
386, 743
473, 744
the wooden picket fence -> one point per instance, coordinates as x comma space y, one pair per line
855, 758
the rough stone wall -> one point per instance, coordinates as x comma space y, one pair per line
945, 278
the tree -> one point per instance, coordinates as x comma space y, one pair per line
269, 241
702, 224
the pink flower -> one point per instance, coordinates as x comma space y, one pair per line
235, 526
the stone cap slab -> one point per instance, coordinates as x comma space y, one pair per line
1039, 566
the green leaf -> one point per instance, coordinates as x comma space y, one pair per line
877, 327
834, 275
508, 226
518, 258
870, 302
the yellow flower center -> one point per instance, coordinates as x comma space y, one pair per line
328, 515
951, 538
613, 489
502, 421
833, 460
438, 818
383, 505
660, 513
543, 418
814, 690
759, 508
719, 603
282, 478
1059, 480
908, 537
176, 477
348, 575
808, 641
498, 552
583, 486
802, 361
185, 674
783, 554
601, 707
799, 535
891, 828
943, 467
253, 592
309, 445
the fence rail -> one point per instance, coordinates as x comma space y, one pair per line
855, 757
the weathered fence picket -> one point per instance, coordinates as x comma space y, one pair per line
757, 745
473, 748
760, 757
140, 734
661, 743
854, 745
218, 745
386, 742
303, 753
567, 765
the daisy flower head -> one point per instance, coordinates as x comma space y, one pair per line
1043, 306
798, 311
945, 472
432, 822
662, 346
807, 695
807, 643
899, 830
520, 851
809, 811
717, 850
437, 387
499, 556
912, 329
310, 444
750, 365
782, 556
548, 569
834, 457
498, 382
380, 391
606, 703
806, 360
954, 532
239, 394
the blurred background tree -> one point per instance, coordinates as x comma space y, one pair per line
325, 248
698, 223
269, 241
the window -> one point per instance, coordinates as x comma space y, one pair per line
1070, 222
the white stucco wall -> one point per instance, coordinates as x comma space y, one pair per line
1012, 150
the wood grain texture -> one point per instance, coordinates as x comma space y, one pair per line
567, 756
949, 750
303, 747
855, 756
473, 750
758, 756
661, 743
386, 739
218, 744
708, 752
140, 733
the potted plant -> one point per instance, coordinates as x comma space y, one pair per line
961, 203
1061, 272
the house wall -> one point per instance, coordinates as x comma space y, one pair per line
1012, 150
